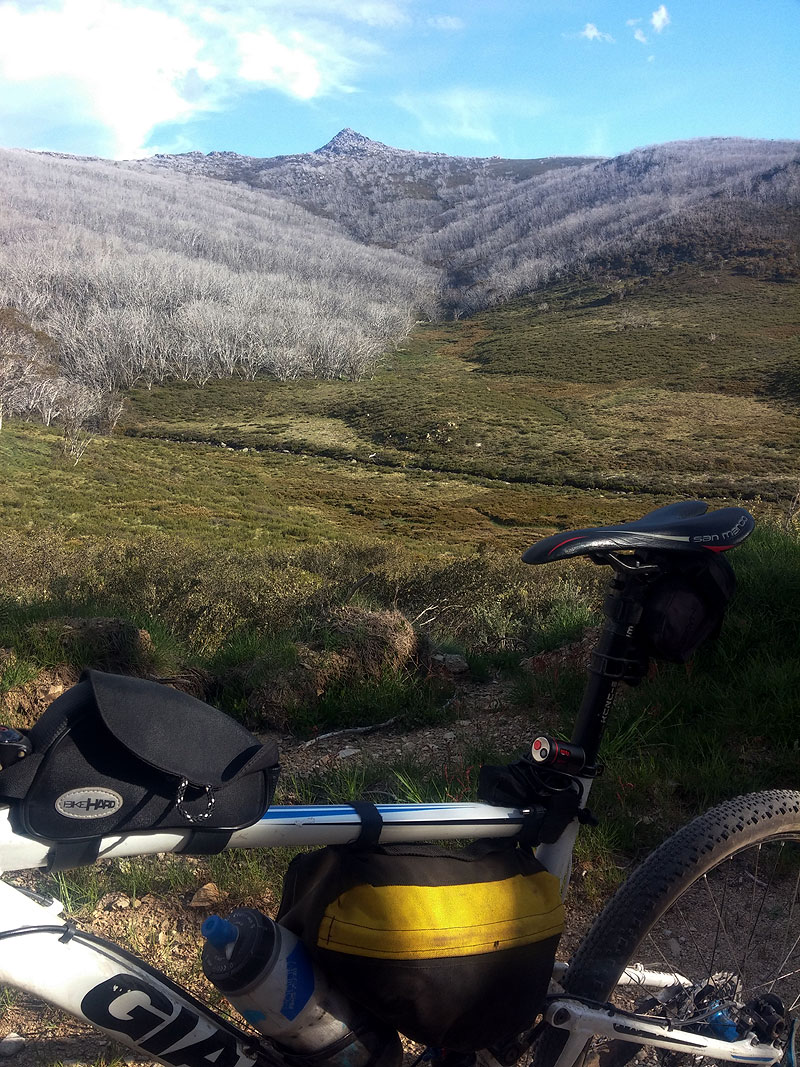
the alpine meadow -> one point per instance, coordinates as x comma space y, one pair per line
259, 415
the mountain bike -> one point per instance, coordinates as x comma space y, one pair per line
696, 955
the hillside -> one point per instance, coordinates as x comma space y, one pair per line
193, 268
574, 406
500, 228
381, 195
142, 277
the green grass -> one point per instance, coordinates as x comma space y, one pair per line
405, 780
218, 609
571, 388
228, 520
485, 431
250, 876
403, 697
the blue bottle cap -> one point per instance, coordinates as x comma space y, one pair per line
219, 932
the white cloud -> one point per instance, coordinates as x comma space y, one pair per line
371, 12
376, 13
105, 63
289, 68
117, 69
660, 18
640, 36
473, 114
447, 22
591, 33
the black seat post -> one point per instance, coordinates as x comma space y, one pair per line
616, 659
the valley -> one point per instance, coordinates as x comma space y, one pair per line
549, 412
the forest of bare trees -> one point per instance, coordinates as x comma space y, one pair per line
194, 267
119, 278
501, 228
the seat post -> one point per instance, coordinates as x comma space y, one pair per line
617, 658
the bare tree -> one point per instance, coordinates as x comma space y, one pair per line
82, 413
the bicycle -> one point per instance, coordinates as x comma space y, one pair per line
645, 976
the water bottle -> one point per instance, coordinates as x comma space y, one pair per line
266, 972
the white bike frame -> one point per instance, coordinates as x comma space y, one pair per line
103, 984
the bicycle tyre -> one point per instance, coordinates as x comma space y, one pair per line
665, 877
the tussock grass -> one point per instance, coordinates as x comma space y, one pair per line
677, 384
227, 606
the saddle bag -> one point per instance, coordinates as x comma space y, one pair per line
117, 755
685, 607
453, 948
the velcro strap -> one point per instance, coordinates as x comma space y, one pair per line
16, 779
205, 842
67, 854
371, 823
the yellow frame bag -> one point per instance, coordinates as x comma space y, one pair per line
452, 947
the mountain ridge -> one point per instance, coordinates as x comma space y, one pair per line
206, 265
344, 143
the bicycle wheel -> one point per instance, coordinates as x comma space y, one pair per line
718, 904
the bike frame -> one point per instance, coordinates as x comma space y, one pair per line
103, 984
132, 1003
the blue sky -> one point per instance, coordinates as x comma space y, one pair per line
516, 78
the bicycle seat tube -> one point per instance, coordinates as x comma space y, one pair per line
616, 659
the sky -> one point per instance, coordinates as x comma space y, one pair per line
512, 78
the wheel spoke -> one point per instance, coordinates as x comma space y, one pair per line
767, 888
786, 956
721, 926
717, 909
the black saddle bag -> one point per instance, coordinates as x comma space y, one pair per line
685, 607
452, 947
118, 755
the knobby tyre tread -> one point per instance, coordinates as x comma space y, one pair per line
656, 884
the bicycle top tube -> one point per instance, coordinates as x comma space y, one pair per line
292, 826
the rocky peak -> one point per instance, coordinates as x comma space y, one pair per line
348, 143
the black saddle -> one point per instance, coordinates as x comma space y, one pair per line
684, 527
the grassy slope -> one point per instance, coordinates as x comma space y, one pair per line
485, 430
683, 386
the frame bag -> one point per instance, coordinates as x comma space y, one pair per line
116, 754
453, 948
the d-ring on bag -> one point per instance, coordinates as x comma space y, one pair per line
117, 755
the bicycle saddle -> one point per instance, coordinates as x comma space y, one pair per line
687, 526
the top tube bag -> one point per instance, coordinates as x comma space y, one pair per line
116, 754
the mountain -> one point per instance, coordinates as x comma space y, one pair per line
380, 195
197, 265
349, 143
498, 228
